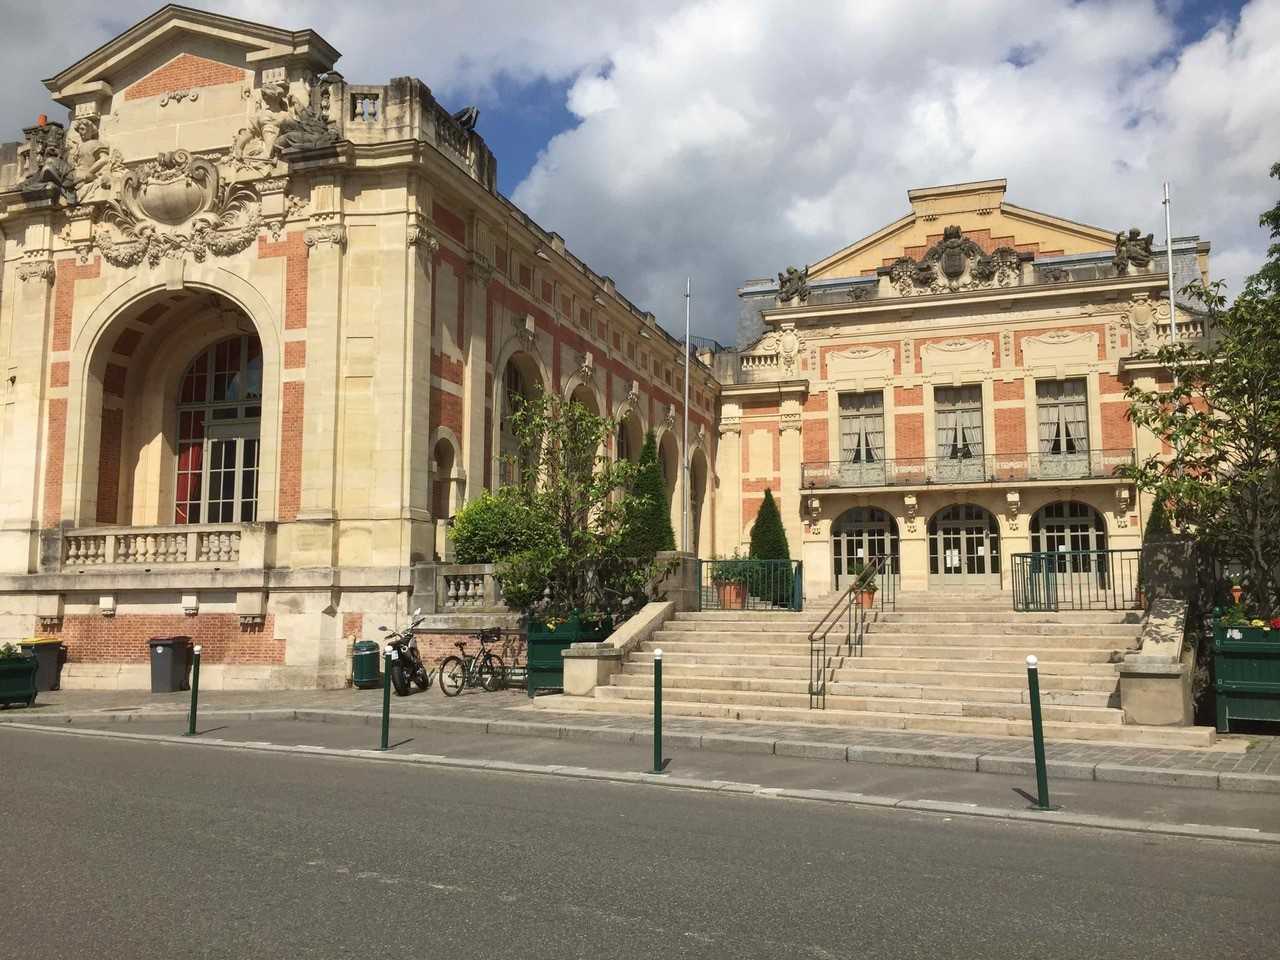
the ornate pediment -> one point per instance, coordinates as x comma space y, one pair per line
956, 263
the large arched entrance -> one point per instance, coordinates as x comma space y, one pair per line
964, 547
181, 402
698, 514
1068, 526
630, 437
860, 536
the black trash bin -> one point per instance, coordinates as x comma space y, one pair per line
170, 661
50, 654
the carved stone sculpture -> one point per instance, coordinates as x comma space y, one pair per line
955, 263
793, 285
1132, 250
92, 161
281, 122
46, 159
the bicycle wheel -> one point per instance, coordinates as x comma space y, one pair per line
400, 680
453, 676
492, 673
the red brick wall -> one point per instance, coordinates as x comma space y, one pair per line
908, 396
817, 442
434, 647
449, 222
113, 379
1011, 430
1117, 431
446, 368
109, 454
291, 450
1013, 390
59, 373
446, 411
1109, 384
295, 354
294, 249
182, 73
352, 625
67, 272
908, 433
55, 450
93, 638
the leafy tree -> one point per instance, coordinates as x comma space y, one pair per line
1221, 415
583, 566
773, 581
649, 526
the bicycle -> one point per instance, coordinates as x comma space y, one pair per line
484, 669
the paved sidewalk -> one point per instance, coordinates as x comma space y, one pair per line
1236, 763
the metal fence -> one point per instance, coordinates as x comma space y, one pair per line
743, 584
1076, 580
873, 590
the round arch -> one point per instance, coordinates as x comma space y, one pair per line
699, 496
964, 547
1068, 525
127, 365
858, 536
629, 440
520, 373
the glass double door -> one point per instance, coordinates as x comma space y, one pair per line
964, 548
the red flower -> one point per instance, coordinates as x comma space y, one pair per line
1275, 623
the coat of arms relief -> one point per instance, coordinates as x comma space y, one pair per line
956, 263
180, 202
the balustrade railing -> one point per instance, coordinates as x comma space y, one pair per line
153, 546
467, 587
989, 468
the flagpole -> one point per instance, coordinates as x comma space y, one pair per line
1168, 248
684, 500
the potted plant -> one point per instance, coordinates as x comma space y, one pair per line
866, 587
730, 576
1246, 667
17, 676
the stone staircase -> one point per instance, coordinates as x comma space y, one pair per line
942, 662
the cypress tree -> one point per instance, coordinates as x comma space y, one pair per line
650, 526
771, 581
1158, 526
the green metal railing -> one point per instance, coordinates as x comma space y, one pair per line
743, 584
856, 616
1076, 580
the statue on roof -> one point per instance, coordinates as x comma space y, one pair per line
282, 122
1132, 249
793, 285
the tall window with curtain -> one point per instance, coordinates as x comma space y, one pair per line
1063, 424
958, 415
862, 427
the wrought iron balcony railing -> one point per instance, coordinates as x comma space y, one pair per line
989, 468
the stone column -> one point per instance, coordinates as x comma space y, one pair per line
475, 350
314, 538
913, 545
729, 496
792, 452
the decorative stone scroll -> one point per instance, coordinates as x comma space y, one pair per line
1013, 506
955, 263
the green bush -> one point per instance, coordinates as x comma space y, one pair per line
495, 526
772, 581
648, 524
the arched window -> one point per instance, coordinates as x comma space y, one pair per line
219, 413
859, 536
518, 384
1068, 526
964, 546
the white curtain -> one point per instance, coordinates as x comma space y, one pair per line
1048, 427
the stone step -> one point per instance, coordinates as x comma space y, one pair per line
879, 625
931, 662
938, 633
868, 704
800, 719
883, 646
1009, 616
1104, 684
891, 691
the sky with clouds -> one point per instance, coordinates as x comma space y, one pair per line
726, 139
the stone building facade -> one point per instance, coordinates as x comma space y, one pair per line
260, 328
949, 391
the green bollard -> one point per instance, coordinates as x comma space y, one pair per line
386, 695
1037, 734
657, 711
195, 690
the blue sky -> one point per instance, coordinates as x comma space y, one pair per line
727, 139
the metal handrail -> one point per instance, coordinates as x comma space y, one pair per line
855, 625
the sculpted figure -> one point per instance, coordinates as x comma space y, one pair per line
283, 122
1132, 249
91, 161
793, 285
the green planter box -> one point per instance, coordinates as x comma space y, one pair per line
1246, 674
546, 665
18, 680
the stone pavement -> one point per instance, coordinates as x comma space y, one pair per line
1237, 762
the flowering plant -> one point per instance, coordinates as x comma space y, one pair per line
11, 651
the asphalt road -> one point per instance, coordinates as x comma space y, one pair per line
144, 851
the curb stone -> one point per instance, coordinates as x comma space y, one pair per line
834, 797
814, 750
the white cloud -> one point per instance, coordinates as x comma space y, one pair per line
729, 139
